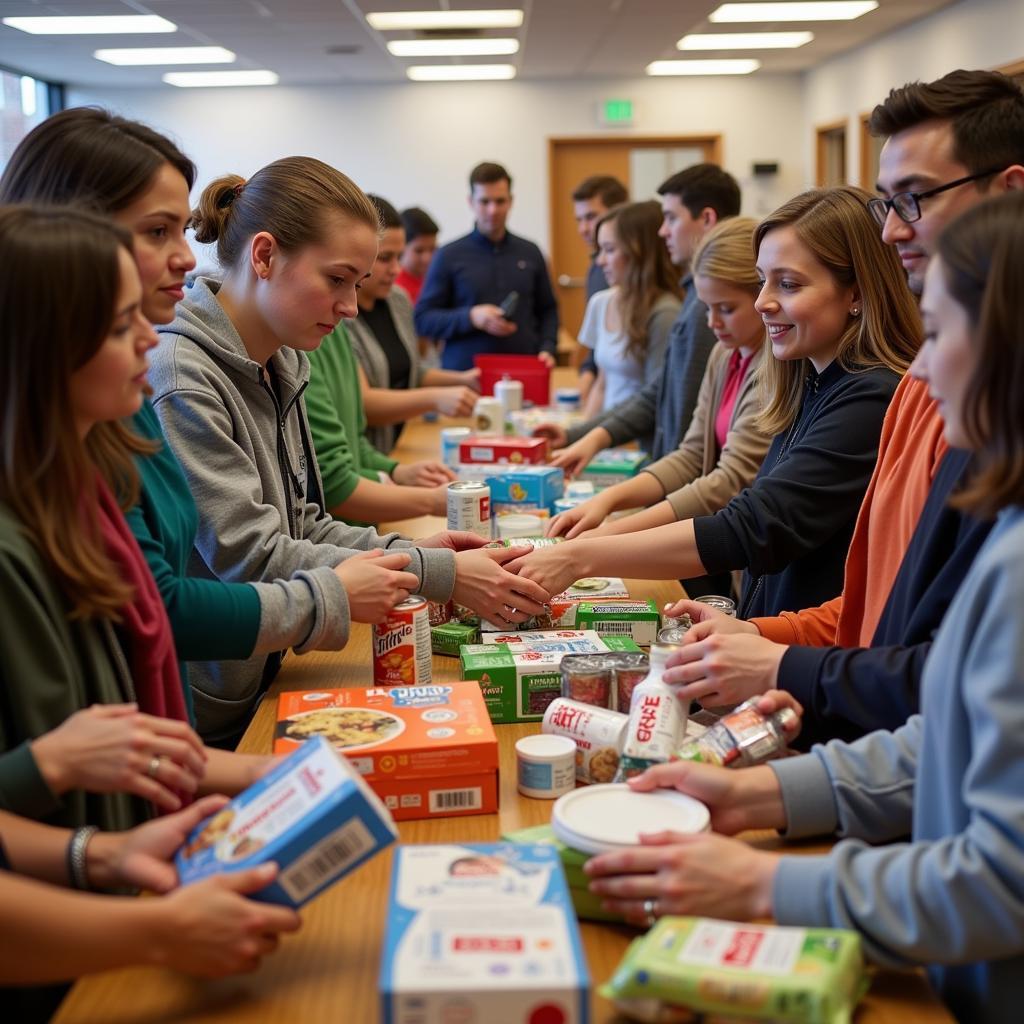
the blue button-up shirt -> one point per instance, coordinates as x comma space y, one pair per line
474, 270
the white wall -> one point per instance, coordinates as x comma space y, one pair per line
415, 143
969, 34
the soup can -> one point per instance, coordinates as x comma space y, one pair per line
401, 645
469, 507
598, 733
451, 438
723, 604
489, 417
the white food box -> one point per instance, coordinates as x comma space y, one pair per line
483, 933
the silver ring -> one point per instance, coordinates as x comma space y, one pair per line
154, 766
650, 911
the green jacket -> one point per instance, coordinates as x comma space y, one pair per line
51, 667
334, 405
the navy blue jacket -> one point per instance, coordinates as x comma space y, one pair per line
847, 692
792, 527
473, 270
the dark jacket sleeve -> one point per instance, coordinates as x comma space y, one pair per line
633, 417
433, 315
547, 309
802, 499
23, 790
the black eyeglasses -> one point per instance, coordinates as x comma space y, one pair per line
908, 204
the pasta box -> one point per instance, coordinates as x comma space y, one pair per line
538, 486
518, 685
312, 814
482, 932
513, 450
613, 465
427, 751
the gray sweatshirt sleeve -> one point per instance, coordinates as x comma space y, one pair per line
309, 612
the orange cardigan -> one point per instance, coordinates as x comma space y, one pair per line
911, 447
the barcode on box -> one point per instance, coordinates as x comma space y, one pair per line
326, 861
613, 628
455, 800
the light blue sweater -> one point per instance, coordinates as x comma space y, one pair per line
952, 778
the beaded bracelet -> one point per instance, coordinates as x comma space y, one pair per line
78, 873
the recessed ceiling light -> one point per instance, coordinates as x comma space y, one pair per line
702, 67
461, 72
745, 41
411, 21
814, 10
453, 47
139, 56
92, 26
206, 79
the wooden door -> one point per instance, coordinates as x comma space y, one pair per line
641, 163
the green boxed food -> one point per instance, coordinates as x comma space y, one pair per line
450, 636
613, 465
637, 619
519, 685
793, 975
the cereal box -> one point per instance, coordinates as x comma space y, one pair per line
312, 814
613, 465
537, 486
638, 620
482, 932
427, 751
514, 450
518, 686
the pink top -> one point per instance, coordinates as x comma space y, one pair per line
735, 375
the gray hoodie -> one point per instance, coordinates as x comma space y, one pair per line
244, 446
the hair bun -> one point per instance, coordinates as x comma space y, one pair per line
209, 217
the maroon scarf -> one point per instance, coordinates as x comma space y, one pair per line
145, 627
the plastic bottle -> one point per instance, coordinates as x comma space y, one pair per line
743, 737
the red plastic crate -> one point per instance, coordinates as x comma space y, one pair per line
534, 374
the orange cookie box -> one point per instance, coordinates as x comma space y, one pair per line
427, 751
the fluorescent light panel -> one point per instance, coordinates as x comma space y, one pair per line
819, 10
209, 79
453, 47
411, 21
702, 67
92, 26
745, 41
461, 72
145, 55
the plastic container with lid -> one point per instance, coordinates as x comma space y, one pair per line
545, 766
603, 819
519, 525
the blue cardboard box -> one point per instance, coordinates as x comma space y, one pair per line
482, 932
537, 486
312, 814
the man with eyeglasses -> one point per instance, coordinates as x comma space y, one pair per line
855, 662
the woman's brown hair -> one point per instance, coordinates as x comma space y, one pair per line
649, 271
724, 253
58, 290
290, 198
835, 226
981, 257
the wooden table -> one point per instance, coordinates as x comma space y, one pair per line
327, 973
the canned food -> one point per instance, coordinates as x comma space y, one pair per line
401, 646
451, 438
587, 678
723, 604
489, 417
469, 507
631, 668
597, 732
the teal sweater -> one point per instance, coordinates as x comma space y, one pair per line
334, 405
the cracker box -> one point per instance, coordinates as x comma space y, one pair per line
639, 620
613, 465
427, 751
518, 686
312, 814
536, 486
481, 932
513, 450
568, 641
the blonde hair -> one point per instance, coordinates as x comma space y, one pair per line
726, 254
649, 271
834, 224
290, 198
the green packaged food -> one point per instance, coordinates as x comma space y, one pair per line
794, 975
450, 636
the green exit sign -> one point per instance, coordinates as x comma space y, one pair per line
617, 112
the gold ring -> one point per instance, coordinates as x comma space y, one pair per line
154, 766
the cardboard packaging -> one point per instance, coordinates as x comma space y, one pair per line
312, 814
427, 751
513, 450
517, 686
639, 620
481, 932
526, 486
613, 465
